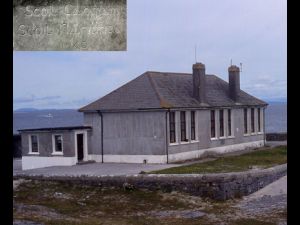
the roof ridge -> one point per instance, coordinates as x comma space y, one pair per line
159, 72
175, 73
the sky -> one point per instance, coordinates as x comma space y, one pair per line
161, 36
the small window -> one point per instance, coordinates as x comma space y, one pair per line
252, 121
221, 119
259, 120
58, 143
172, 127
229, 122
212, 124
183, 126
34, 146
193, 130
245, 121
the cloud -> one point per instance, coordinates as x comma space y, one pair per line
161, 37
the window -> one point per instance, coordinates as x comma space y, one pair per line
245, 122
259, 120
193, 131
57, 143
172, 127
33, 143
182, 126
252, 120
229, 122
221, 119
212, 124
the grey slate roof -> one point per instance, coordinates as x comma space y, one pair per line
156, 90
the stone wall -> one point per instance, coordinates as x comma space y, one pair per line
220, 186
276, 136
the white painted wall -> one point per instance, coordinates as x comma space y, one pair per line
33, 162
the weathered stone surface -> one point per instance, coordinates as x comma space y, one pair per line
216, 186
69, 25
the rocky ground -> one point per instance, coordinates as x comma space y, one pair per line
37, 203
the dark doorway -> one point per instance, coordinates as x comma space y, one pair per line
80, 147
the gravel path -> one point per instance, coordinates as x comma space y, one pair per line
96, 169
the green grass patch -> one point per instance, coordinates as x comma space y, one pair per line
260, 158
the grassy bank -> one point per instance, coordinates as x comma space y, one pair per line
260, 158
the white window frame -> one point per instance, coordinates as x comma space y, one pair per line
219, 126
216, 125
232, 123
186, 128
176, 129
54, 152
30, 144
196, 126
248, 122
254, 122
261, 121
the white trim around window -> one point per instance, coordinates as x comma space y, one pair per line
252, 109
54, 152
196, 126
215, 125
186, 127
232, 123
30, 144
175, 130
261, 120
219, 126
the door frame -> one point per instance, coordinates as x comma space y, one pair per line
85, 145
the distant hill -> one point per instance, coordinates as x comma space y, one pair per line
26, 110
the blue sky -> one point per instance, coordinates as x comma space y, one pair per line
161, 36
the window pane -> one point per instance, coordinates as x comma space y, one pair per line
182, 126
58, 143
245, 122
34, 143
193, 136
252, 120
221, 118
172, 127
229, 122
212, 124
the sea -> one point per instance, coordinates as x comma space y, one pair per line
276, 118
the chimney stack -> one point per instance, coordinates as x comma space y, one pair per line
234, 82
199, 81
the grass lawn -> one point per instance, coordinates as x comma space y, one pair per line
261, 158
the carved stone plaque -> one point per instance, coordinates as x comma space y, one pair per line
79, 25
